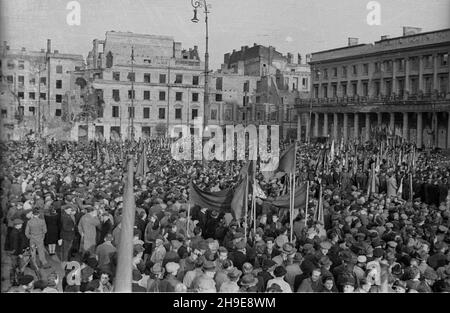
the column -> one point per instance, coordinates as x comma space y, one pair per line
345, 130
392, 121
356, 125
299, 127
308, 127
316, 125
335, 126
435, 73
367, 132
325, 124
405, 126
394, 78
448, 130
420, 73
435, 128
448, 82
419, 130
379, 118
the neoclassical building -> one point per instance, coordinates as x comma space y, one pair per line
400, 83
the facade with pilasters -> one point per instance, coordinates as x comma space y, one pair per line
401, 84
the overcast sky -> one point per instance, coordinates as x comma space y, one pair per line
289, 25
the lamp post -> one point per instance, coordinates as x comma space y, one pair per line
203, 4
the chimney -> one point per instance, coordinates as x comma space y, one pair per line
408, 30
384, 37
352, 41
308, 58
234, 50
255, 44
195, 48
270, 55
299, 58
49, 45
95, 56
23, 49
226, 58
290, 58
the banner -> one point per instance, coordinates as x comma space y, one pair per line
283, 201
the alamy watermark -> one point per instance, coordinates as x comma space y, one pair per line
224, 150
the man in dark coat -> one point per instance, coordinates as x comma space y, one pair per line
67, 232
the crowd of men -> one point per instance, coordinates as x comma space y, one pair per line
63, 201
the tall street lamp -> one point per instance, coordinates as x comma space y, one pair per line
203, 4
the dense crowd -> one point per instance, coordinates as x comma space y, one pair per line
65, 201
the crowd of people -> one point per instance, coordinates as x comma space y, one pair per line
64, 201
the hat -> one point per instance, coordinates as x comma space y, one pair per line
279, 271
389, 225
378, 252
249, 279
349, 281
325, 261
325, 245
18, 221
234, 273
392, 244
281, 240
247, 267
25, 280
430, 274
288, 248
176, 244
268, 263
137, 276
214, 213
157, 269
240, 245
238, 235
86, 273
209, 265
172, 267
308, 246
362, 259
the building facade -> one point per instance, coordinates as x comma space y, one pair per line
400, 83
36, 84
167, 83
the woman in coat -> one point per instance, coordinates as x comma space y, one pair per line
52, 221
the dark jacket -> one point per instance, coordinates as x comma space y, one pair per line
17, 240
67, 227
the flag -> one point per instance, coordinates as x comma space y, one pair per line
220, 200
400, 189
99, 158
239, 202
287, 160
66, 154
142, 166
332, 151
259, 193
283, 201
107, 158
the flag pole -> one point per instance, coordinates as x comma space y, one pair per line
125, 249
246, 207
291, 206
188, 217
307, 202
254, 204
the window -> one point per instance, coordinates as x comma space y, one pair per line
414, 61
219, 83
58, 98
146, 94
132, 77
366, 68
44, 81
195, 97
365, 86
258, 99
115, 111
161, 113
131, 94
218, 97
334, 90
325, 73
194, 113
388, 84
147, 61
179, 96
178, 113
377, 67
10, 79
116, 76
401, 65
325, 91
344, 90
21, 80
246, 86
377, 88
21, 65
354, 70
43, 96
316, 91
32, 110
11, 65
162, 96
195, 80
31, 95
245, 100
59, 69
21, 95
131, 112
444, 59
58, 112
214, 114
428, 61
179, 79
355, 89
116, 95
147, 78
387, 66
33, 81
146, 112
4, 113
162, 78
334, 71
58, 84
344, 71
